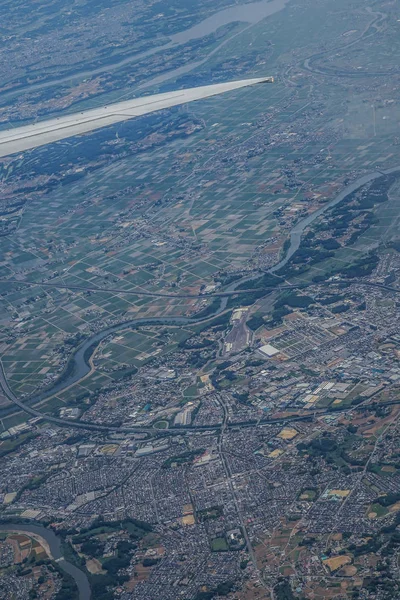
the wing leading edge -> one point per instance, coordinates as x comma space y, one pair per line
53, 130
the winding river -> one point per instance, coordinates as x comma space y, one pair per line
251, 13
79, 366
79, 362
298, 229
53, 543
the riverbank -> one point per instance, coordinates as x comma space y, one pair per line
251, 13
78, 365
297, 231
53, 547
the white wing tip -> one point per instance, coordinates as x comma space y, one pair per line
266, 80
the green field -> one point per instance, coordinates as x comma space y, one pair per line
219, 545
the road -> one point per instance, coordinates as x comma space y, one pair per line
227, 294
360, 476
295, 240
108, 428
267, 288
63, 422
295, 236
229, 479
333, 72
168, 432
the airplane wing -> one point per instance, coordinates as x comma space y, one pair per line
45, 132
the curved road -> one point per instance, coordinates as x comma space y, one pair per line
79, 360
85, 288
332, 72
178, 430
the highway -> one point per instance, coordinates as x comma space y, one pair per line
134, 292
232, 489
267, 288
295, 240
280, 287
175, 431
63, 422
